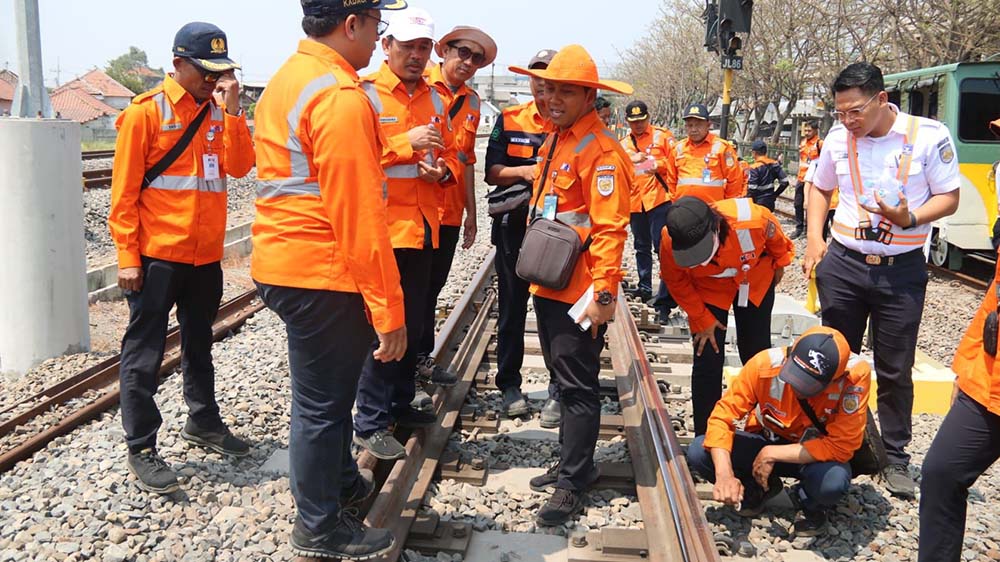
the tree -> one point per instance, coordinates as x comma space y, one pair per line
123, 69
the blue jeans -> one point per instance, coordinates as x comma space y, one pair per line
822, 483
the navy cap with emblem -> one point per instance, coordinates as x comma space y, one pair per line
320, 8
696, 111
204, 45
759, 146
636, 111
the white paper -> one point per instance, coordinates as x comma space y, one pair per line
576, 311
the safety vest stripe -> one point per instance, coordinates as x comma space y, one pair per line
609, 134
699, 181
437, 101
777, 389
743, 210
474, 102
216, 113
746, 240
372, 92
189, 183
269, 189
166, 110
584, 142
570, 218
777, 356
730, 272
718, 147
299, 162
403, 172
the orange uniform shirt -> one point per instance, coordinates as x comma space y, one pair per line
978, 372
181, 216
591, 176
809, 150
465, 123
413, 203
321, 216
708, 170
772, 408
648, 192
755, 240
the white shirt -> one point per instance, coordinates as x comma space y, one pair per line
934, 171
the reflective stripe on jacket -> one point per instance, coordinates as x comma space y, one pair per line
772, 408
464, 124
755, 240
647, 191
321, 217
687, 165
181, 216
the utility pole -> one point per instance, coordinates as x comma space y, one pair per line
30, 97
723, 20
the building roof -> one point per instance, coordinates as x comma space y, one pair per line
8, 80
77, 105
97, 83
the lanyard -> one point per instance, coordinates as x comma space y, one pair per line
902, 174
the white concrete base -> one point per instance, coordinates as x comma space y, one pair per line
494, 546
529, 430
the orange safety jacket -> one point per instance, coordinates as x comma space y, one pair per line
708, 170
753, 249
650, 191
772, 408
321, 216
413, 203
978, 372
465, 123
809, 150
591, 176
181, 216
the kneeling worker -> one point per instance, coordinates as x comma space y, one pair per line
585, 184
777, 387
732, 253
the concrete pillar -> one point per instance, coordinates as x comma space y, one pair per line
43, 286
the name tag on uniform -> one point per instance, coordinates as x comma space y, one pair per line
211, 165
706, 175
549, 211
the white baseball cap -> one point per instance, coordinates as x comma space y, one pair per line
410, 24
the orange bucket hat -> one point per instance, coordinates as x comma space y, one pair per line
574, 65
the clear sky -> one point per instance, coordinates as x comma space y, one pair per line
78, 35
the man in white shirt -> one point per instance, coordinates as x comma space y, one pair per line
896, 174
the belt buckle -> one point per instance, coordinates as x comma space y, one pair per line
872, 259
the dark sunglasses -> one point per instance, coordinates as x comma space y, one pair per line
207, 75
382, 24
465, 53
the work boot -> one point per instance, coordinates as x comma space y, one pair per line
221, 440
663, 315
359, 490
810, 524
551, 414
796, 234
382, 445
151, 472
422, 401
561, 507
899, 482
346, 539
754, 497
412, 418
429, 371
513, 402
543, 482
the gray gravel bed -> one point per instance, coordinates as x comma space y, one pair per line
98, 164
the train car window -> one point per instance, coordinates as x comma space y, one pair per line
894, 97
917, 103
932, 106
979, 104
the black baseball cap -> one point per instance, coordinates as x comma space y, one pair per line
205, 46
696, 111
691, 224
759, 146
321, 8
636, 111
542, 59
816, 359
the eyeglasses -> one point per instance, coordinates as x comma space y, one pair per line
465, 53
853, 114
382, 24
208, 75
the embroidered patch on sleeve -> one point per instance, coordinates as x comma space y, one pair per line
605, 185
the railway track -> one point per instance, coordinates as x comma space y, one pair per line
97, 154
97, 179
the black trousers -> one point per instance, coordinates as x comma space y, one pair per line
328, 338
573, 358
753, 335
966, 445
386, 388
441, 260
800, 210
851, 293
767, 197
197, 292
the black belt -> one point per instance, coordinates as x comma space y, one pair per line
906, 258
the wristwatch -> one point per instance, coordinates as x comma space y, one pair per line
913, 222
604, 297
446, 176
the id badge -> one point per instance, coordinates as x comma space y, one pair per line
551, 202
706, 175
744, 295
211, 165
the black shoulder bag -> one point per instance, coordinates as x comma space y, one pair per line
178, 149
870, 458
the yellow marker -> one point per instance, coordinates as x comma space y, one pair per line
812, 295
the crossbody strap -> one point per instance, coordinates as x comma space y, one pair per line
456, 107
655, 174
808, 409
545, 175
170, 157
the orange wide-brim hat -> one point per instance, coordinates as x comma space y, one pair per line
574, 65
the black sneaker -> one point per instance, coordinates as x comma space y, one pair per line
429, 371
513, 402
221, 441
410, 417
560, 508
359, 490
382, 445
754, 497
347, 539
811, 524
551, 414
898, 481
543, 482
151, 472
